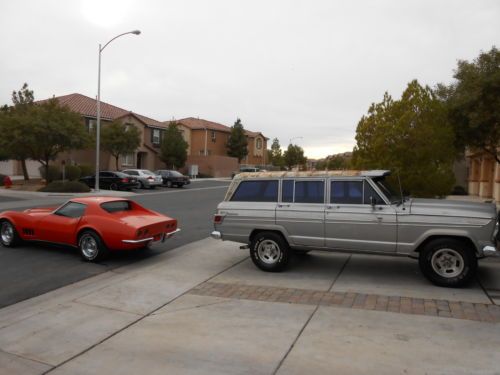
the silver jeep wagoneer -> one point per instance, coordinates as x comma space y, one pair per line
280, 213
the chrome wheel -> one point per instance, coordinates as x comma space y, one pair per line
447, 263
268, 251
88, 246
7, 233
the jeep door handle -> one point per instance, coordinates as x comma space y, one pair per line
283, 205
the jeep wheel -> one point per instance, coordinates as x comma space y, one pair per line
270, 252
448, 262
92, 249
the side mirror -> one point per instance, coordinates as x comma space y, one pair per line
373, 201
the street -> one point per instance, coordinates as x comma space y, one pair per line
30, 270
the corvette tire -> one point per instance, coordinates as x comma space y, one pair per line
8, 234
91, 246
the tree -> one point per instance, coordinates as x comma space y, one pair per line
54, 129
120, 139
275, 154
237, 144
410, 136
474, 103
15, 126
338, 162
294, 155
173, 147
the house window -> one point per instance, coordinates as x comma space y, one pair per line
258, 143
212, 134
155, 137
128, 126
128, 160
91, 125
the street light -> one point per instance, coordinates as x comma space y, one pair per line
98, 128
291, 139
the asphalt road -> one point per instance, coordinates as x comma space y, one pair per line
31, 270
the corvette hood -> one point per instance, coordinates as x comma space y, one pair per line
43, 210
446, 207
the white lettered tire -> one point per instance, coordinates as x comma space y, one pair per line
448, 262
269, 251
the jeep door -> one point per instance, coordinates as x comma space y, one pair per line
301, 211
353, 223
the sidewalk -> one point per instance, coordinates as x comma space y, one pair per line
205, 309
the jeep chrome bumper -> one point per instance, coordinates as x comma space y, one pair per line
490, 251
216, 235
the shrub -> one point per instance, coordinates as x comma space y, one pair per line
86, 170
459, 190
73, 172
65, 187
1, 179
54, 173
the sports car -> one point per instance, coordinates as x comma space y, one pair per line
95, 225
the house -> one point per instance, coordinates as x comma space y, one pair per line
207, 142
206, 139
483, 175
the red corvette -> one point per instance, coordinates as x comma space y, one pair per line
94, 224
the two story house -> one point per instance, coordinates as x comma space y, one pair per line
207, 142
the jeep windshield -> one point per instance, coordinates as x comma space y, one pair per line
388, 190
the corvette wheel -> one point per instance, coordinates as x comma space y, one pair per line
92, 249
8, 234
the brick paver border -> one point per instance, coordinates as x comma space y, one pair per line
396, 304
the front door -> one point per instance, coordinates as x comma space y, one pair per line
353, 223
60, 226
301, 211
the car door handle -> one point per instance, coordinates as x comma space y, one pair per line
283, 205
379, 217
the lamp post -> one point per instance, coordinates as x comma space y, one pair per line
98, 127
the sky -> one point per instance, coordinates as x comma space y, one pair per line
301, 71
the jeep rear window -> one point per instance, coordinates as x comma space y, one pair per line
256, 191
116, 206
309, 192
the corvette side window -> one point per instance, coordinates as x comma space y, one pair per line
72, 210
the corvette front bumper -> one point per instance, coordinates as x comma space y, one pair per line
150, 239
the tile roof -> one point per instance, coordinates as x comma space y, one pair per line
197, 124
87, 107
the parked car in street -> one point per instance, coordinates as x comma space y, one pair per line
145, 178
111, 180
95, 225
173, 178
279, 213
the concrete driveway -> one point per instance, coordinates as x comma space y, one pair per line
205, 309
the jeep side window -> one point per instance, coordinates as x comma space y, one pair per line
347, 192
287, 191
256, 191
309, 192
370, 192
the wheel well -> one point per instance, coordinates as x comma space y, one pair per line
257, 231
463, 239
84, 230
